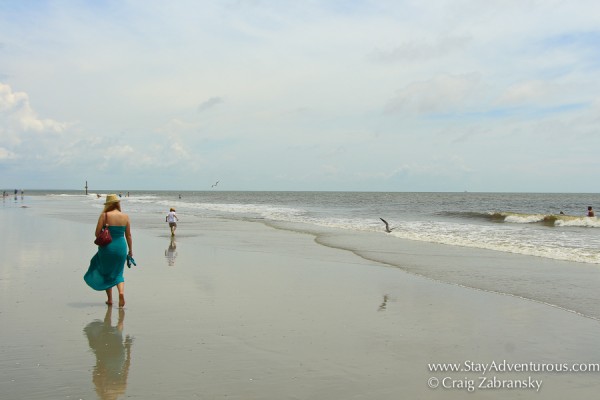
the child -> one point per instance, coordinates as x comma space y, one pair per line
172, 219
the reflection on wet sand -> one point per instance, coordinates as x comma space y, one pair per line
383, 305
113, 355
171, 253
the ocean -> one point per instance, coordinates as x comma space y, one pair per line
519, 223
516, 244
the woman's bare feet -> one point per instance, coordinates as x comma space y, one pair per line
109, 297
121, 301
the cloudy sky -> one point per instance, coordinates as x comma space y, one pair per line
365, 95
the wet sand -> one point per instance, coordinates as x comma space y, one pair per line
239, 310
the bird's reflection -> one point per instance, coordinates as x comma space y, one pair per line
383, 305
171, 252
113, 355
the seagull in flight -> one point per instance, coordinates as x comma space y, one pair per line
387, 226
216, 183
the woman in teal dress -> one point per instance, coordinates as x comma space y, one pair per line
106, 267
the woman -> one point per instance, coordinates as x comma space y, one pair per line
106, 267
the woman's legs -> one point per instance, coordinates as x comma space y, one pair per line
121, 289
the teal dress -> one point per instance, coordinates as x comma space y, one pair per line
106, 267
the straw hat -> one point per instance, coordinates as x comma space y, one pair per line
111, 198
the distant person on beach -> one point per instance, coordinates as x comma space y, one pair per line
106, 267
172, 219
590, 212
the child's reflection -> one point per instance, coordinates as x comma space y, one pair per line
113, 355
171, 253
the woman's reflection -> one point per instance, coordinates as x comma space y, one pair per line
113, 355
171, 253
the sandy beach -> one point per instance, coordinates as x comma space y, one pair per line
240, 310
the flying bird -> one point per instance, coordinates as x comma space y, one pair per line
216, 183
387, 226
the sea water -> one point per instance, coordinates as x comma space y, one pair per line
540, 247
545, 225
528, 224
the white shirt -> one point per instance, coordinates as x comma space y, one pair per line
172, 217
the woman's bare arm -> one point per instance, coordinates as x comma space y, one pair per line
100, 224
128, 237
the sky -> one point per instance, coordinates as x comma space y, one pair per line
340, 95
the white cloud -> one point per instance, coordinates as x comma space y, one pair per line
210, 103
7, 154
19, 119
524, 92
442, 94
118, 153
467, 86
418, 52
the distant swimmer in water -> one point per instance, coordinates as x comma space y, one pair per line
590, 212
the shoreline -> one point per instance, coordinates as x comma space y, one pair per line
529, 278
251, 312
